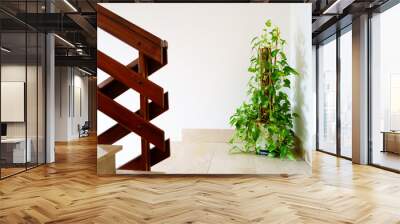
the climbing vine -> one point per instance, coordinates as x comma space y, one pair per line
264, 123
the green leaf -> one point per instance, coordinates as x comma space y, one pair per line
283, 55
290, 155
290, 70
252, 69
254, 39
274, 52
268, 23
286, 83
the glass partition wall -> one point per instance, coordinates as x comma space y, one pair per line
22, 89
334, 104
13, 89
334, 130
385, 90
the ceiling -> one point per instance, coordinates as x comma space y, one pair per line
329, 16
75, 21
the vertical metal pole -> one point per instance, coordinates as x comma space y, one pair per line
37, 98
338, 98
50, 100
45, 96
317, 93
37, 90
369, 96
26, 88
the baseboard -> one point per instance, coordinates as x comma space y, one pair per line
207, 135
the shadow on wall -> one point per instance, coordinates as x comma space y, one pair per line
303, 96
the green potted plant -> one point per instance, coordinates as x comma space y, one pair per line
264, 124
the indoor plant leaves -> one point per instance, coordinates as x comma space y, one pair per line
264, 124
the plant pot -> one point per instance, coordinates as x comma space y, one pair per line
263, 152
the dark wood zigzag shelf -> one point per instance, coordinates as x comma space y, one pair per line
152, 56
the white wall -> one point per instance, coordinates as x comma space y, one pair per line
70, 83
304, 87
80, 113
61, 103
208, 54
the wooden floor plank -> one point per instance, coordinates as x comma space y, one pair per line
69, 191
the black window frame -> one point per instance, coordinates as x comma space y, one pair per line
334, 37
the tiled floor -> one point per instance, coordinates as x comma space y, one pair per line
216, 158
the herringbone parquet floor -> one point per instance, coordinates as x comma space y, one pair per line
70, 192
